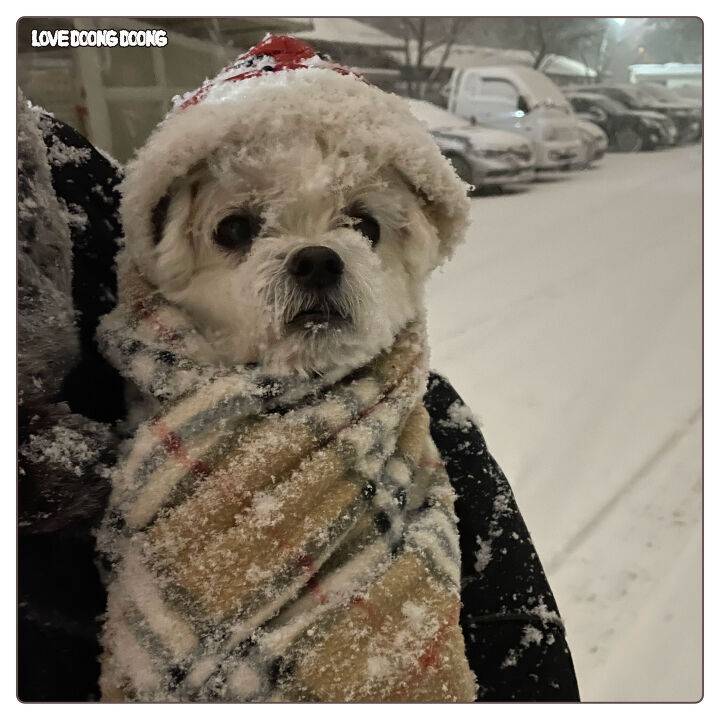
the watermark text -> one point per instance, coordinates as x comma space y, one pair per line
99, 38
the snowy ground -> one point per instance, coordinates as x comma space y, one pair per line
570, 322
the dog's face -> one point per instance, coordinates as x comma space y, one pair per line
295, 256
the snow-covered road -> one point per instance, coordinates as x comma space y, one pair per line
570, 322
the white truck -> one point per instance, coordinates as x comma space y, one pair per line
524, 100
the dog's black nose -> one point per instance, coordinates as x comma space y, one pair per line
316, 267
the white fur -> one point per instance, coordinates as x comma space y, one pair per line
300, 186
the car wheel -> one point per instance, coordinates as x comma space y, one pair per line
462, 168
628, 140
588, 154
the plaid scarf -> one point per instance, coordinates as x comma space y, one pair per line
277, 539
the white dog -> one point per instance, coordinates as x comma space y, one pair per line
293, 211
280, 225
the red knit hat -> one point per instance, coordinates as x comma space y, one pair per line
274, 54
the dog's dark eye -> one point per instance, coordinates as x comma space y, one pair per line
237, 231
367, 225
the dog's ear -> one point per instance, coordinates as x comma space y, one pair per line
158, 217
447, 221
423, 230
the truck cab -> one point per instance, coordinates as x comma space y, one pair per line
523, 100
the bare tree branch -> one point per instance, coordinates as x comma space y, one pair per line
421, 37
421, 43
449, 42
408, 24
542, 42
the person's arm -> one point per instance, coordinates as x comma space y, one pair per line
68, 395
514, 636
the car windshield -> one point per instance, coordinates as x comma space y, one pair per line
641, 95
434, 117
607, 103
693, 92
624, 96
661, 93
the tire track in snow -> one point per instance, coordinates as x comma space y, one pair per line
583, 533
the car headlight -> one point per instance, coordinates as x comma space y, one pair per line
648, 122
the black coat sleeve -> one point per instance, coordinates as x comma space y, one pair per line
86, 182
60, 595
514, 636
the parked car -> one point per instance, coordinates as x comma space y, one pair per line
627, 130
671, 98
480, 155
520, 99
594, 143
690, 91
634, 97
